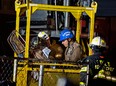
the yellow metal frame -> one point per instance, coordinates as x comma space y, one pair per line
30, 8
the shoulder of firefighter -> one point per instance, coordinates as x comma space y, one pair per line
93, 69
73, 52
56, 51
77, 45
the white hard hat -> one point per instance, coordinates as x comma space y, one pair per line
98, 41
43, 35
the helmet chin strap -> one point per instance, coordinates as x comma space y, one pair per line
68, 46
69, 41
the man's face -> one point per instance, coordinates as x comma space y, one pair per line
65, 43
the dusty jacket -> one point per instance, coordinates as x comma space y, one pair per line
73, 52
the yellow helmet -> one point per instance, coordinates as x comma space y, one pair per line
43, 35
98, 41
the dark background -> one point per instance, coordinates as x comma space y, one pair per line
106, 7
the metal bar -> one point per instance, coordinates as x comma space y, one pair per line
56, 18
50, 64
91, 30
17, 23
27, 32
15, 70
87, 78
60, 70
78, 29
59, 8
66, 22
41, 72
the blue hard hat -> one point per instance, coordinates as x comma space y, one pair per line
65, 34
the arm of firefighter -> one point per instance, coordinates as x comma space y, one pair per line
84, 72
83, 75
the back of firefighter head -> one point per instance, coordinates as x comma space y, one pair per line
98, 44
66, 34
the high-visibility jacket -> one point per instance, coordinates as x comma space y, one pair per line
94, 67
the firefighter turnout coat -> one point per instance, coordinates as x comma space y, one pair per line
95, 68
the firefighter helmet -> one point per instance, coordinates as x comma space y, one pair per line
43, 35
65, 34
98, 41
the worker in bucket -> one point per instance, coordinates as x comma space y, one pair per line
96, 68
56, 51
73, 50
45, 49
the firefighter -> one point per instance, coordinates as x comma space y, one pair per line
45, 50
39, 46
73, 50
49, 50
95, 66
56, 50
